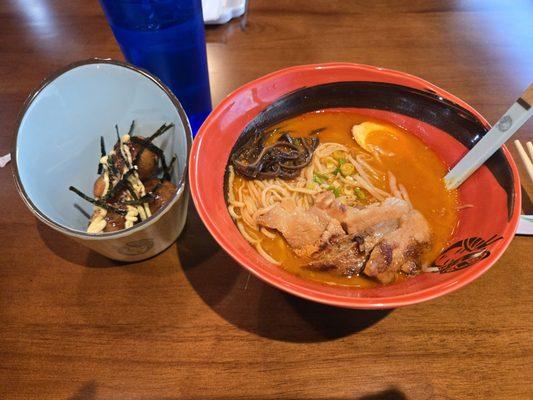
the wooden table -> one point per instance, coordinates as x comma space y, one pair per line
191, 323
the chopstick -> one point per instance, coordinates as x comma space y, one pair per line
529, 146
527, 160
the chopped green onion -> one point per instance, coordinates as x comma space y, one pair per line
359, 193
317, 179
342, 161
335, 190
347, 169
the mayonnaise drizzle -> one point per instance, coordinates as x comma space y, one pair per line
136, 183
131, 216
98, 222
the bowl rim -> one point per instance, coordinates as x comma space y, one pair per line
105, 235
274, 279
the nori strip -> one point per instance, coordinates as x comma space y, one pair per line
97, 202
132, 126
120, 184
167, 170
145, 142
103, 153
152, 147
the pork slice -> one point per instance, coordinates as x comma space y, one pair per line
361, 221
375, 234
305, 231
400, 249
326, 201
343, 255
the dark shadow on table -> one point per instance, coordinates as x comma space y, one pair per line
71, 251
254, 306
389, 394
527, 204
86, 392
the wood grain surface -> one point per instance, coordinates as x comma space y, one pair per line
190, 323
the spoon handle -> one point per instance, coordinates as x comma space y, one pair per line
512, 120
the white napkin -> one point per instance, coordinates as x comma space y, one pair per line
4, 160
218, 12
525, 225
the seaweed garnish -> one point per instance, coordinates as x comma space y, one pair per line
132, 126
97, 202
166, 172
120, 192
103, 153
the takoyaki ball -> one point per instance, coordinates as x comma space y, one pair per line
99, 187
147, 163
115, 222
163, 194
121, 196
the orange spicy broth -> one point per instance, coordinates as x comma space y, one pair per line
412, 162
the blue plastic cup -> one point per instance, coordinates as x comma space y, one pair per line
167, 38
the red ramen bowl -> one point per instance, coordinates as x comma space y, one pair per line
446, 124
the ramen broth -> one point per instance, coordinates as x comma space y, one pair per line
415, 166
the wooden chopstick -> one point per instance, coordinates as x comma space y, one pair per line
529, 147
525, 158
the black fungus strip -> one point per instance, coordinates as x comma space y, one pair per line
284, 158
97, 202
